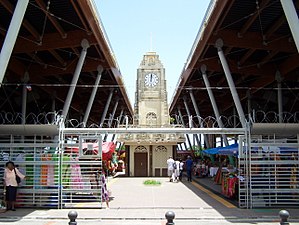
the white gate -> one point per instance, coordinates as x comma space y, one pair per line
37, 158
81, 166
269, 171
62, 172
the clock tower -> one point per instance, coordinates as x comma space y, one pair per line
148, 153
151, 108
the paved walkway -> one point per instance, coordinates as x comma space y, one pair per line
135, 203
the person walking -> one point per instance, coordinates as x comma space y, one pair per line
181, 169
105, 193
11, 184
176, 170
189, 167
170, 168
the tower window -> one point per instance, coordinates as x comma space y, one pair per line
151, 119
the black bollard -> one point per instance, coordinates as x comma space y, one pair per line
284, 215
73, 216
169, 216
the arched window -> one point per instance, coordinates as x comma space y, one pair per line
140, 148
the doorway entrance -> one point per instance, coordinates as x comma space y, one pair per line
140, 164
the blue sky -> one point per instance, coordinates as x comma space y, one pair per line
172, 24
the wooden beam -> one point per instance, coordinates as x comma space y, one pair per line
253, 17
76, 51
58, 57
36, 58
227, 50
289, 65
223, 16
231, 39
53, 20
54, 41
257, 85
269, 57
80, 16
90, 65
19, 68
9, 7
275, 26
286, 67
215, 66
246, 56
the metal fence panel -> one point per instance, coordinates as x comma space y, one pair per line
59, 174
270, 167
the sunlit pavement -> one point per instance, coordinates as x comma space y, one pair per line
134, 203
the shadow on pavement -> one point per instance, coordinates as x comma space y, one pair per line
231, 212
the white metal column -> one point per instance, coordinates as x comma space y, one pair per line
106, 107
92, 96
187, 135
232, 87
279, 96
113, 112
191, 122
292, 18
112, 116
198, 115
24, 97
119, 121
213, 101
11, 36
85, 45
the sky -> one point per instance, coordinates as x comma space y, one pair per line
168, 27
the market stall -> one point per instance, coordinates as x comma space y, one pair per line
223, 172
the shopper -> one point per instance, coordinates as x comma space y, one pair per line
170, 168
189, 167
176, 171
11, 184
181, 169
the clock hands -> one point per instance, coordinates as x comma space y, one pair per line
151, 79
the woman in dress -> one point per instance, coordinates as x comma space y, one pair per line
11, 184
105, 194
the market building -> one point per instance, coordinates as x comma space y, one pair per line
62, 97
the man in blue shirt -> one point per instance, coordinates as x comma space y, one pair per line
189, 167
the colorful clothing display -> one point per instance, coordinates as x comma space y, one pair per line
229, 186
47, 171
76, 176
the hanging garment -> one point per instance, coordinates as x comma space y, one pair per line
76, 176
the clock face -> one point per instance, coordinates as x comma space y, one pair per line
151, 80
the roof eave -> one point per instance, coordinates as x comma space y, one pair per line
205, 32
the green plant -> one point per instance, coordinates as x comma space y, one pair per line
152, 182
